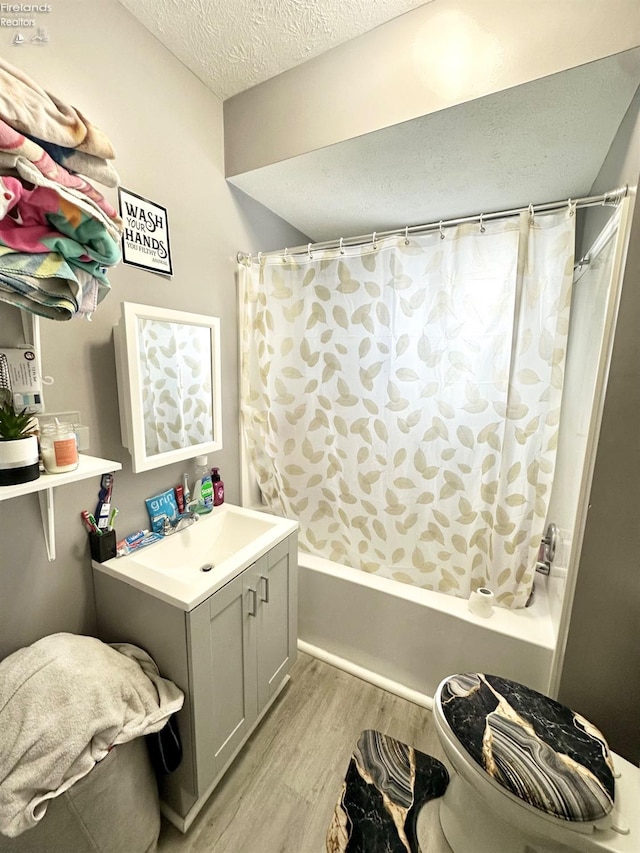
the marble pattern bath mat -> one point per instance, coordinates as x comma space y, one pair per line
385, 786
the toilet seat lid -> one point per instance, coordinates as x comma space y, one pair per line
537, 749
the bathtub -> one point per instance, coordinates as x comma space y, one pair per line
406, 639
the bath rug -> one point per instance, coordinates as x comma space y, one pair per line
385, 786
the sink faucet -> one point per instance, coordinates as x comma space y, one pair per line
167, 527
186, 520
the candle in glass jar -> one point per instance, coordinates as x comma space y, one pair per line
59, 448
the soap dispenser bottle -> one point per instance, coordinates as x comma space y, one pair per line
203, 489
218, 487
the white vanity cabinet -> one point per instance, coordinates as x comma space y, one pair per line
230, 654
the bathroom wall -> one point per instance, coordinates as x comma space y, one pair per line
167, 130
601, 670
430, 58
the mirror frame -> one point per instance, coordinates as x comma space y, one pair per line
130, 384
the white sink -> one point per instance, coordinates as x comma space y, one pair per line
186, 567
211, 540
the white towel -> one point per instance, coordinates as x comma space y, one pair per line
64, 702
28, 108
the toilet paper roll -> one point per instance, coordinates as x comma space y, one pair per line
481, 602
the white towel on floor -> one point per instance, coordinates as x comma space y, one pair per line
64, 702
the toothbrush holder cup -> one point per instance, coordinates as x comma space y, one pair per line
102, 546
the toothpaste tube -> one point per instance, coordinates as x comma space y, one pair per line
136, 540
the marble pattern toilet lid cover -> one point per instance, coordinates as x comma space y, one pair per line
536, 748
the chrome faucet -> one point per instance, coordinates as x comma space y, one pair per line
547, 550
186, 520
167, 527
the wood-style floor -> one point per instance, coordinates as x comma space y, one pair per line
279, 794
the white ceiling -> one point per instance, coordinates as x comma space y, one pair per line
232, 45
542, 141
539, 142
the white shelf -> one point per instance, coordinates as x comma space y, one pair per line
89, 466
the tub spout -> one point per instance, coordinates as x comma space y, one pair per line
547, 550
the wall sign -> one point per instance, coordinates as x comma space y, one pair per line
145, 241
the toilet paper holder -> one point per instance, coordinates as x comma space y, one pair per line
547, 551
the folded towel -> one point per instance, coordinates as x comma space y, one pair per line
64, 702
28, 108
8, 163
92, 291
29, 159
47, 285
92, 167
41, 284
46, 297
41, 220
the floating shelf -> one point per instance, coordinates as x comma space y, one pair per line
89, 466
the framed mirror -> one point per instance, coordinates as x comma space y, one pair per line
168, 372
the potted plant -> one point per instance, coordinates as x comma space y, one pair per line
18, 447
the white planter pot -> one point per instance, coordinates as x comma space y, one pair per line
18, 460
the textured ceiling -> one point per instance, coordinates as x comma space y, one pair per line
539, 142
232, 45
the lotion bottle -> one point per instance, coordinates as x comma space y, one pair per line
218, 487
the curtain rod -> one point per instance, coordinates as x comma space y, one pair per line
613, 197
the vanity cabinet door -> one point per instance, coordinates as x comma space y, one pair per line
223, 680
242, 643
276, 619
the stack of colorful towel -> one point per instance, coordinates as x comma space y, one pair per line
58, 234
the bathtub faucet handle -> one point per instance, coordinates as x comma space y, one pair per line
547, 551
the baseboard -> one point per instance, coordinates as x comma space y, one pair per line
374, 678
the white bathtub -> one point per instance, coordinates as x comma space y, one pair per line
406, 639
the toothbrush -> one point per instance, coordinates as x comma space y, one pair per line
104, 501
90, 522
112, 518
187, 490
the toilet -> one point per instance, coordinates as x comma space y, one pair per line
529, 775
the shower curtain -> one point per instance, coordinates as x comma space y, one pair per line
401, 399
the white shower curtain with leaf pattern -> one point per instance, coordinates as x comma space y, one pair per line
402, 400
